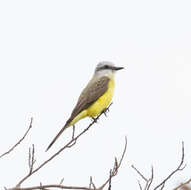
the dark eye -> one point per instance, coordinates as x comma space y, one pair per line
106, 67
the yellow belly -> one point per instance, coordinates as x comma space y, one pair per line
102, 103
97, 107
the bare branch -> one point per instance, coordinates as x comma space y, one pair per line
71, 143
148, 182
92, 186
61, 181
162, 184
179, 168
144, 178
116, 167
140, 186
43, 187
183, 184
31, 159
109, 188
150, 179
20, 140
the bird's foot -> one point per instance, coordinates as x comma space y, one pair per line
94, 119
105, 111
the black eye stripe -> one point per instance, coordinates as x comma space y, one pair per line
103, 67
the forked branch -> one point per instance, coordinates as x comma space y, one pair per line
91, 186
148, 182
70, 144
19, 141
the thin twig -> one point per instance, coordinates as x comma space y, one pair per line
183, 184
150, 180
179, 168
109, 188
144, 178
31, 159
51, 186
20, 140
92, 186
61, 181
162, 184
116, 167
140, 185
68, 145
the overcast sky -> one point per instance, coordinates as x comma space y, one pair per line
48, 53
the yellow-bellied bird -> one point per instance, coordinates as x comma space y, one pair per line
95, 97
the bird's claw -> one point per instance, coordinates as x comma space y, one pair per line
94, 119
105, 111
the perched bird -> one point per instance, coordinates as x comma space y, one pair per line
95, 97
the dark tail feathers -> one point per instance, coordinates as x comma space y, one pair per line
55, 138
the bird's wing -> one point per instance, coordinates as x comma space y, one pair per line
89, 95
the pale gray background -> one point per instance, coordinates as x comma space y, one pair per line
48, 52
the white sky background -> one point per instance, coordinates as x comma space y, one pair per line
48, 52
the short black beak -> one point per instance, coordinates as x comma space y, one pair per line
118, 68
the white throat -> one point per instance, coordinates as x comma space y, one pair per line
107, 72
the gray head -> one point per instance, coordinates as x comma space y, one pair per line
106, 67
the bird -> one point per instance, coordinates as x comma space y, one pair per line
95, 97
